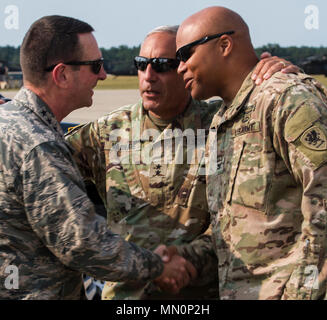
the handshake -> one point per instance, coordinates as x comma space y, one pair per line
178, 272
3, 99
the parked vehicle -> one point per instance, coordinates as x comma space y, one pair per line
315, 65
14, 80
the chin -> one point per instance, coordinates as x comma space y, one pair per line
90, 102
198, 94
150, 107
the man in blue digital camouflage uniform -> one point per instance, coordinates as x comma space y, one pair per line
49, 230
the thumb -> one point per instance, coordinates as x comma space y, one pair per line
163, 252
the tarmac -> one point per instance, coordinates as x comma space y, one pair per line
104, 101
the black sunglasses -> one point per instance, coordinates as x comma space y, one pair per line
184, 53
157, 64
95, 65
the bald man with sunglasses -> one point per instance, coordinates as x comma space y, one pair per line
146, 161
267, 164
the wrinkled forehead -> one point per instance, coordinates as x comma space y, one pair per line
159, 45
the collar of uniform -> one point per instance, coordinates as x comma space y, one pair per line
241, 97
227, 112
189, 118
33, 102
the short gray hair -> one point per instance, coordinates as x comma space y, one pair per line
166, 29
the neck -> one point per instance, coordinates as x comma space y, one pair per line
173, 113
236, 77
51, 98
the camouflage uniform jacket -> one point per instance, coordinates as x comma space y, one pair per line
48, 227
267, 190
153, 195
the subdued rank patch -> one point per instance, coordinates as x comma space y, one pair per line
220, 164
314, 138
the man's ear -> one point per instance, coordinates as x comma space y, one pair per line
226, 45
61, 75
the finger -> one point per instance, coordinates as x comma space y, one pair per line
166, 284
184, 278
257, 70
262, 67
265, 54
163, 252
181, 274
280, 67
170, 285
272, 67
291, 69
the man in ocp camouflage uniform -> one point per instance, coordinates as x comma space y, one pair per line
267, 164
49, 231
146, 161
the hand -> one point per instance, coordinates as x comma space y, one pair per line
269, 65
177, 273
2, 102
166, 253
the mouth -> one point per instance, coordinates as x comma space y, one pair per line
151, 93
188, 83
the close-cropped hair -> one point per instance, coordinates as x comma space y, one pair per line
167, 29
50, 40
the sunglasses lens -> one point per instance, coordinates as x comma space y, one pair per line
183, 54
141, 63
160, 65
96, 66
157, 64
164, 64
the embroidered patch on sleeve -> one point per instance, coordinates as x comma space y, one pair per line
313, 144
315, 139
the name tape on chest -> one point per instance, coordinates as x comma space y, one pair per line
246, 128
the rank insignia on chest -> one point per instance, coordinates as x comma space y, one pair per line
315, 139
220, 164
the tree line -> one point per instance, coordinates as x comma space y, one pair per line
119, 60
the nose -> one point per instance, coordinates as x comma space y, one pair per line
149, 73
102, 74
181, 67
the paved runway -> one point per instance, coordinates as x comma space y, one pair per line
104, 101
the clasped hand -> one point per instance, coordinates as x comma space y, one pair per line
178, 272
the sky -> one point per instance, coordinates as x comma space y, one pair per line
126, 22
